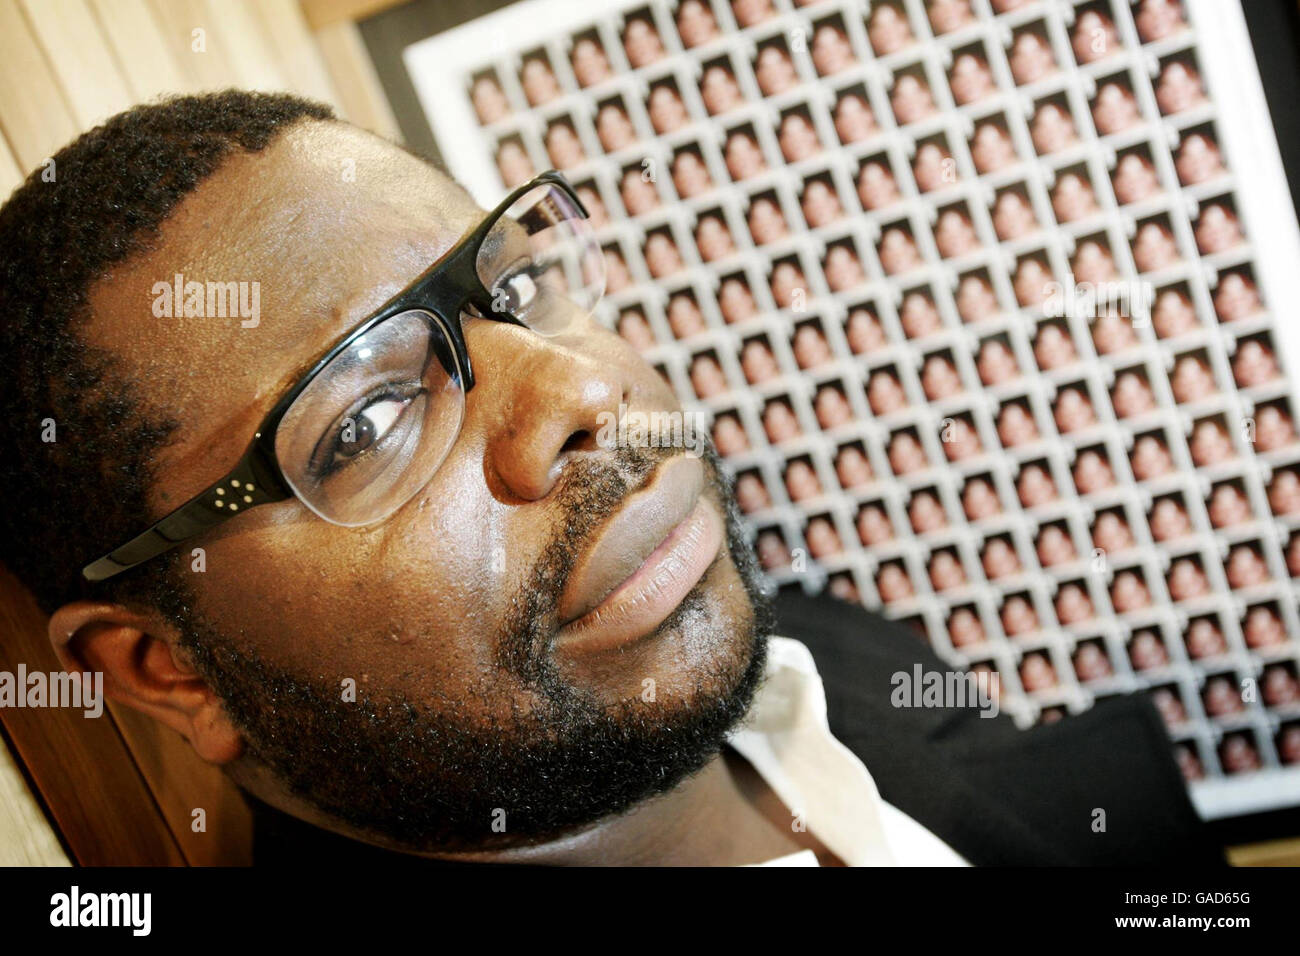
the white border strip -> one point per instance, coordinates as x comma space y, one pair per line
1263, 790
1246, 130
437, 67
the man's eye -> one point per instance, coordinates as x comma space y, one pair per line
364, 430
515, 292
371, 425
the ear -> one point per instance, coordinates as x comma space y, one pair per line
141, 671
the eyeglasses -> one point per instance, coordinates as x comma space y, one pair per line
368, 426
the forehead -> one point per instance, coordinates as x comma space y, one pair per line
319, 229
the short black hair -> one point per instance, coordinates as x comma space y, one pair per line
100, 202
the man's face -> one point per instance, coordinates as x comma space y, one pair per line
515, 673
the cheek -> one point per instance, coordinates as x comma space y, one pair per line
413, 604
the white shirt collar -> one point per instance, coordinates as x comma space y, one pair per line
828, 790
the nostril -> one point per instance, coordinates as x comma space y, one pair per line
581, 440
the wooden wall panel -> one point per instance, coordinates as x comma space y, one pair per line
241, 38
361, 93
26, 837
296, 50
10, 175
201, 58
79, 54
33, 114
140, 49
323, 13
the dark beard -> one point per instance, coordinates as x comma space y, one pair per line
432, 780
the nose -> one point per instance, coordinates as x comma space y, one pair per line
542, 401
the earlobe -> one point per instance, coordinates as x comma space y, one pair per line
141, 671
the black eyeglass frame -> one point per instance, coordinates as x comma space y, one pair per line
444, 289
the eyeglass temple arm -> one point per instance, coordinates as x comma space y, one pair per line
254, 481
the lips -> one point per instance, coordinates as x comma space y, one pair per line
646, 559
643, 523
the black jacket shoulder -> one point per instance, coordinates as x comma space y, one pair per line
1096, 788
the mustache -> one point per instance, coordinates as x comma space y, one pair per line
589, 492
